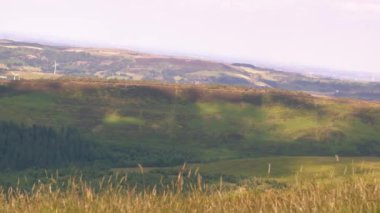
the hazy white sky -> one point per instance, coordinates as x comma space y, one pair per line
343, 34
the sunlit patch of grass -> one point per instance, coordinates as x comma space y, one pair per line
296, 127
209, 108
229, 117
115, 118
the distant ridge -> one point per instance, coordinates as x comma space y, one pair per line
33, 60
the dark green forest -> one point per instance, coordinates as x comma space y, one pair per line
42, 147
23, 147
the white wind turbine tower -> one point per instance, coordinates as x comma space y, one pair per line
15, 75
55, 67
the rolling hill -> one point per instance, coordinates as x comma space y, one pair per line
35, 61
155, 124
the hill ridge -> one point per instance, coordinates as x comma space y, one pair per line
31, 61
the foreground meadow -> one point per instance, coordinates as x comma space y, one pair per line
355, 189
189, 193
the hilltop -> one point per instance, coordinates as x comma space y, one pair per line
35, 61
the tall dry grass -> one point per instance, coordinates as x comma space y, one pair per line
351, 194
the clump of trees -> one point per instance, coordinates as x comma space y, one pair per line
41, 147
36, 146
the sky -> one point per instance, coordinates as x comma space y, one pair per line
336, 34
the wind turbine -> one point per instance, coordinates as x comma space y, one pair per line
15, 75
55, 67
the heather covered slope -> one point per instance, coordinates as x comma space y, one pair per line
167, 124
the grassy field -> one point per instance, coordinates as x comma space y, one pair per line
282, 169
286, 168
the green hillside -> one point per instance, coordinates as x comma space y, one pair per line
165, 125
